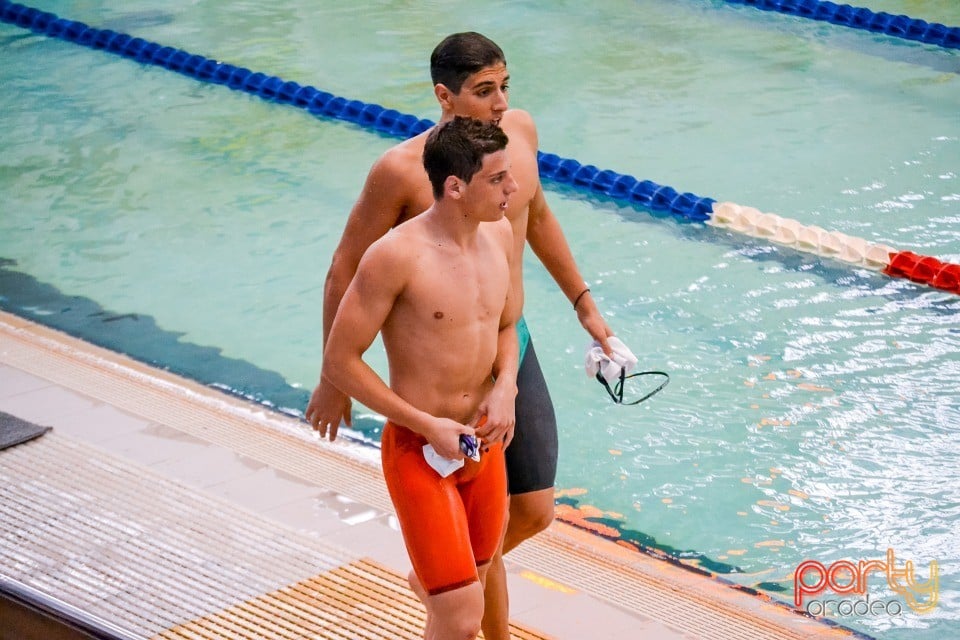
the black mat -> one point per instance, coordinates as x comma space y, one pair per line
14, 431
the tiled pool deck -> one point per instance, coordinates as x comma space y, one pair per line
169, 509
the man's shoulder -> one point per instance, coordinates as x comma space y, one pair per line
386, 256
519, 126
396, 244
518, 120
401, 157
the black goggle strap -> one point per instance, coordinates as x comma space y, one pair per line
616, 393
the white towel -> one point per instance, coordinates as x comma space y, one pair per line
446, 466
597, 361
443, 466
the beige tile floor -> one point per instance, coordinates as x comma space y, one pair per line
565, 583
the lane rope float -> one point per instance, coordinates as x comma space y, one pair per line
844, 15
683, 206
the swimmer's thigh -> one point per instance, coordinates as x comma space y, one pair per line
431, 515
532, 455
485, 502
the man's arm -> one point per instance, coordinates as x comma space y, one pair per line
366, 304
375, 212
546, 238
500, 405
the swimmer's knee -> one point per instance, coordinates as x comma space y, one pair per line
539, 520
458, 613
531, 513
459, 625
468, 629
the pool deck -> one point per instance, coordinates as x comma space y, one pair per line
167, 509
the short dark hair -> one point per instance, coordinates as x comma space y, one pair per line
457, 148
461, 54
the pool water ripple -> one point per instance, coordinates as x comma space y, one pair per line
812, 407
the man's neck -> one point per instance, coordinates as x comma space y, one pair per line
450, 224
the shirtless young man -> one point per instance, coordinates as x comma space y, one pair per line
437, 288
470, 78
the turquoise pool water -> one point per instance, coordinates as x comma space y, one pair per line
813, 407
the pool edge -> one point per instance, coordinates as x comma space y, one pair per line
692, 603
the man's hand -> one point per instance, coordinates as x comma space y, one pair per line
444, 435
496, 417
327, 407
591, 320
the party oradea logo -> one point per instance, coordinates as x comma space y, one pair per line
813, 581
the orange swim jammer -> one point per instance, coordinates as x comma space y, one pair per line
450, 525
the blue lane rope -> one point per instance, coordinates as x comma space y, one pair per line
899, 26
684, 206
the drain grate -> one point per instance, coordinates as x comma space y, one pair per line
130, 546
145, 554
359, 601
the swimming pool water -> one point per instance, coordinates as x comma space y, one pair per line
812, 408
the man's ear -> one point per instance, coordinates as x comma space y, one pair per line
453, 187
443, 95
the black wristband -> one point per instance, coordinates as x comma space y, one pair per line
577, 301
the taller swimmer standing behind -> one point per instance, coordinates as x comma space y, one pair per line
438, 290
470, 78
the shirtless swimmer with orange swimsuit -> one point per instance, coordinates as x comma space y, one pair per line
437, 288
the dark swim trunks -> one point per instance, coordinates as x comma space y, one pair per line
532, 454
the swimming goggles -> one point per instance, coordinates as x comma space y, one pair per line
470, 447
616, 393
